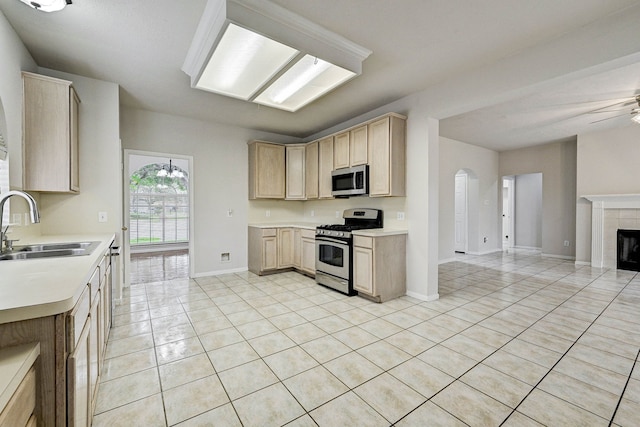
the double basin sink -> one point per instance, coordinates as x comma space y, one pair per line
49, 250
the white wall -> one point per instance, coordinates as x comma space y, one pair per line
482, 166
219, 175
557, 163
607, 163
528, 211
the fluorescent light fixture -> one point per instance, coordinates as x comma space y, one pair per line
257, 51
47, 5
243, 62
636, 117
307, 80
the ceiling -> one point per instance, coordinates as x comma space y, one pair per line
502, 74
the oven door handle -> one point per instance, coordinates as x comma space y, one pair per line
330, 240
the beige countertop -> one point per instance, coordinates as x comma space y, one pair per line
15, 362
293, 224
47, 286
380, 232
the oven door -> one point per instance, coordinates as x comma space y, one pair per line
333, 257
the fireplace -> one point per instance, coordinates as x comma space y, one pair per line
629, 250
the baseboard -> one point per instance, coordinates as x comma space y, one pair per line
423, 297
220, 272
585, 263
490, 251
528, 248
567, 257
444, 261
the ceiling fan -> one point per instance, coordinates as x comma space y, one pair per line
635, 112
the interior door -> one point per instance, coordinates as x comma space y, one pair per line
461, 213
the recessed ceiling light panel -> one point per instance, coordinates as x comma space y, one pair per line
243, 62
304, 82
47, 5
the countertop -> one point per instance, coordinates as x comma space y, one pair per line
15, 362
293, 224
374, 232
48, 286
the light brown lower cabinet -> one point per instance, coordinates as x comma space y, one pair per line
379, 266
276, 249
78, 381
20, 410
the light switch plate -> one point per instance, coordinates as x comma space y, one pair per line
102, 217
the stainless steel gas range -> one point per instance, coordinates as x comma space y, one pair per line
334, 248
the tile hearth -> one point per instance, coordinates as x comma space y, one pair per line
514, 338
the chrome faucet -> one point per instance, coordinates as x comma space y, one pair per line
33, 210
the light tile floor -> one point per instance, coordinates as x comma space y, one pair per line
149, 267
515, 339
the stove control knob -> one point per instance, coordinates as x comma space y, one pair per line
340, 234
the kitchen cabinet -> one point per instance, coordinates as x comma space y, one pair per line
358, 154
386, 156
18, 381
50, 134
308, 252
325, 167
78, 381
311, 179
285, 247
266, 170
280, 248
341, 151
379, 266
295, 172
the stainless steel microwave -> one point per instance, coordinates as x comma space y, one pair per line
352, 181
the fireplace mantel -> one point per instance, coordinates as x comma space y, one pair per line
598, 205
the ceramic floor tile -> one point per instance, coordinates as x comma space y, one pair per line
128, 364
232, 355
353, 369
148, 412
220, 338
287, 320
177, 350
430, 414
517, 419
304, 333
119, 347
223, 415
174, 333
422, 377
471, 406
627, 414
315, 387
532, 352
247, 378
469, 347
447, 360
355, 337
383, 354
331, 324
256, 329
410, 342
121, 391
271, 406
271, 343
389, 397
496, 384
591, 374
516, 367
325, 348
347, 410
194, 398
290, 362
185, 370
552, 411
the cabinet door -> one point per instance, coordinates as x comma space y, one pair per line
308, 261
311, 170
95, 348
269, 253
295, 172
285, 247
266, 171
106, 306
297, 247
379, 158
363, 270
325, 167
341, 151
74, 161
78, 382
358, 146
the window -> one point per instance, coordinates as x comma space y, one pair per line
159, 209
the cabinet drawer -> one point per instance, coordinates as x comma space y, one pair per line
94, 283
308, 234
363, 242
101, 269
23, 402
269, 232
77, 319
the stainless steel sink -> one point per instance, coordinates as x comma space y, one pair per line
50, 250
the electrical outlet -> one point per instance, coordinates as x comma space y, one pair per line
102, 217
400, 216
485, 240
566, 243
267, 213
229, 213
225, 257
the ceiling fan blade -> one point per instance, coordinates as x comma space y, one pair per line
608, 118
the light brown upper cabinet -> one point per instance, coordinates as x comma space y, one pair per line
295, 172
387, 156
358, 146
266, 170
311, 170
50, 134
341, 151
325, 167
